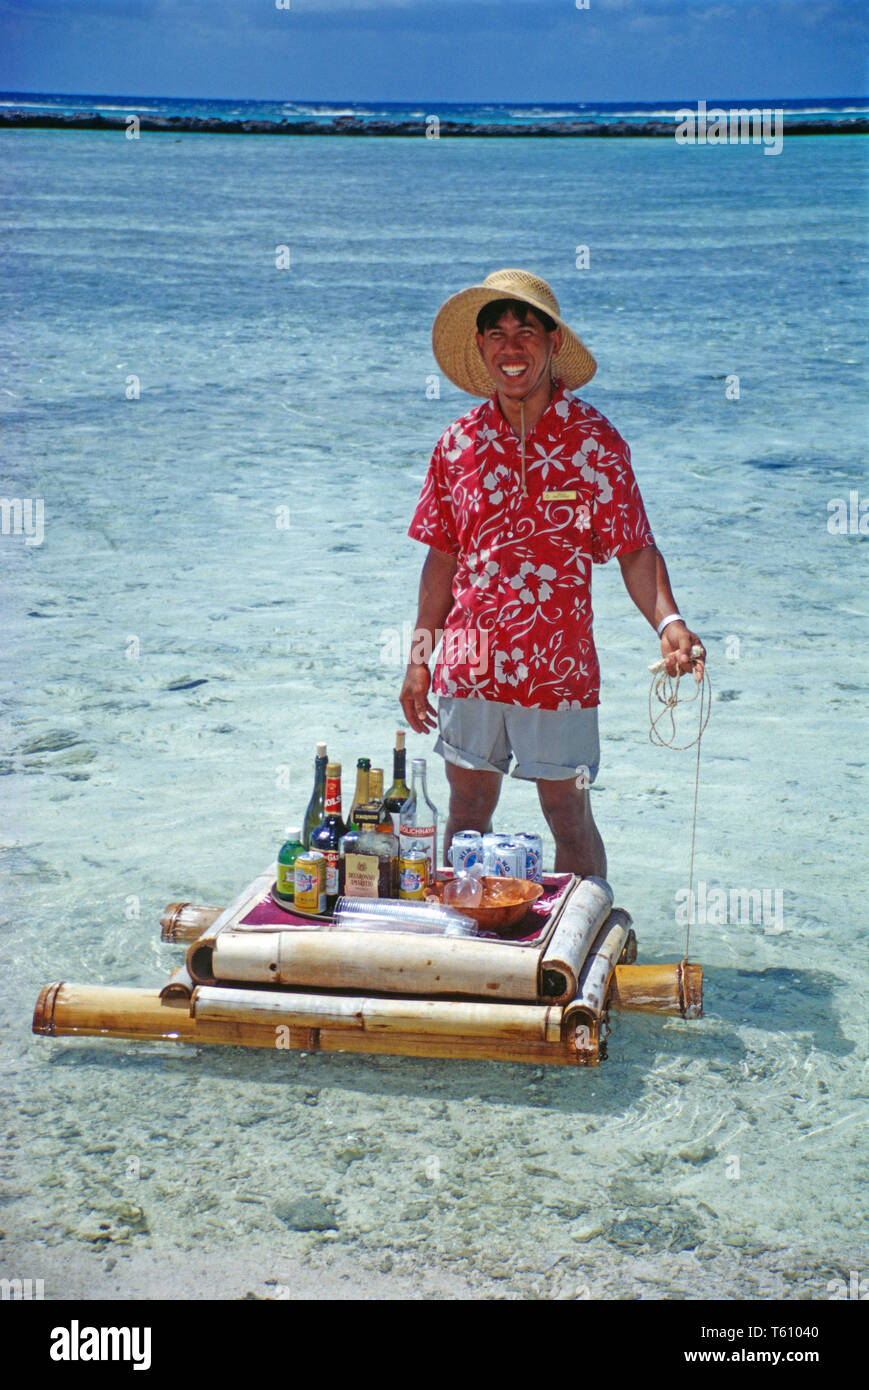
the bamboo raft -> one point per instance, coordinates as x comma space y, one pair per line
256, 975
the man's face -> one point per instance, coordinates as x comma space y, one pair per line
518, 355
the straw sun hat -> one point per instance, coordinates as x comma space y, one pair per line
455, 346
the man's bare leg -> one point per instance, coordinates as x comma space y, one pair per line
473, 797
579, 848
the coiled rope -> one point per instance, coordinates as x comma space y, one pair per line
664, 690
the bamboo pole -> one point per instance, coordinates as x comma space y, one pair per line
382, 962
179, 985
601, 962
658, 989
457, 1049
186, 921
65, 1010
579, 923
424, 1016
585, 1016
629, 950
109, 1011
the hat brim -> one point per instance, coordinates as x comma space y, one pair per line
455, 348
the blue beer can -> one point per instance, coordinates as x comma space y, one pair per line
466, 849
533, 855
508, 858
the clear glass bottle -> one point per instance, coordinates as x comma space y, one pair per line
317, 805
418, 824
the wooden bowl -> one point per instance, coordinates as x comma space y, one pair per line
505, 901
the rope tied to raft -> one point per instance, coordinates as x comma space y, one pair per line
664, 690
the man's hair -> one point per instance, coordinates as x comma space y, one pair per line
490, 314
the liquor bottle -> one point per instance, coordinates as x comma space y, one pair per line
330, 831
317, 805
369, 859
399, 791
287, 856
375, 794
360, 795
418, 825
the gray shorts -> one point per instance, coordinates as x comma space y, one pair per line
552, 744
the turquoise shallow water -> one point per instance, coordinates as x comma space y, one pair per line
714, 1157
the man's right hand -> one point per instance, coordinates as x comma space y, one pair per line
418, 712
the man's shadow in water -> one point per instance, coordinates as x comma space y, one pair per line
790, 1002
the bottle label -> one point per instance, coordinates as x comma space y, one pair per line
286, 885
361, 875
331, 858
333, 796
421, 837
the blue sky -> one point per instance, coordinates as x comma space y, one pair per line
447, 50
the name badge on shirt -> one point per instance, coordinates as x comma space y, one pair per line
569, 495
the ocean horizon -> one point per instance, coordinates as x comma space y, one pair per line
832, 111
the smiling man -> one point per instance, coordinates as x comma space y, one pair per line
521, 497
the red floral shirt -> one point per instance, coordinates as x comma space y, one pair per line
520, 628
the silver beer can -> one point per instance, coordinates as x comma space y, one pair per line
490, 840
533, 855
466, 849
508, 858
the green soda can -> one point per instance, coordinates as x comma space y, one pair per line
287, 856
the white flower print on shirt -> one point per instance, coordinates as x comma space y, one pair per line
493, 482
532, 582
512, 668
481, 571
590, 474
455, 444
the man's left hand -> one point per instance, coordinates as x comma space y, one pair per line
676, 644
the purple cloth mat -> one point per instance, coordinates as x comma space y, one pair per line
268, 913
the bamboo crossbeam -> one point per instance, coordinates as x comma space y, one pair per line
457, 1049
179, 985
601, 961
463, 1018
582, 917
186, 921
65, 1010
658, 989
379, 962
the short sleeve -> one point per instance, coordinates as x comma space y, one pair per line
433, 521
618, 523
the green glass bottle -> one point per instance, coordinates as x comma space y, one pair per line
399, 791
360, 795
317, 805
287, 856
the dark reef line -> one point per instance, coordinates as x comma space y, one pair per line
351, 125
